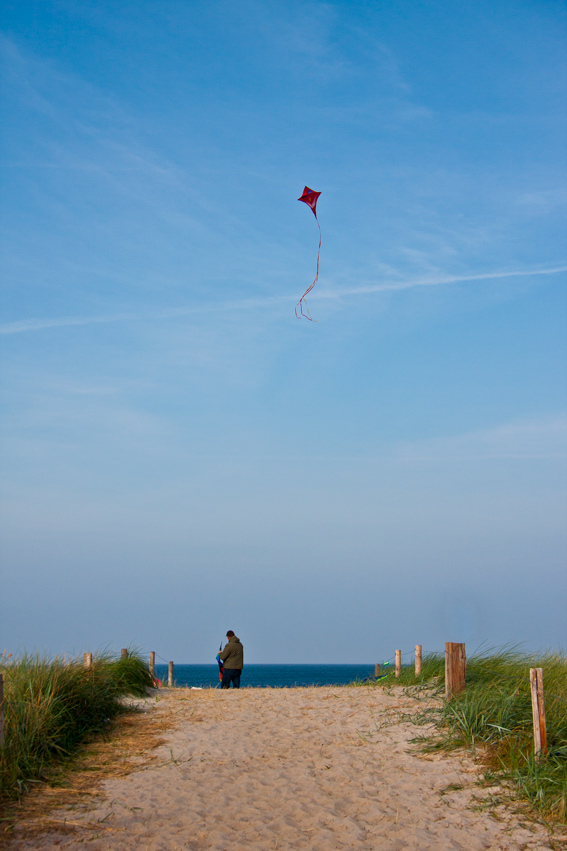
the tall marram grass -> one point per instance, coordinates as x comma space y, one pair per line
52, 705
495, 712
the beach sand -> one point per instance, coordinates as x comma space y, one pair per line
323, 769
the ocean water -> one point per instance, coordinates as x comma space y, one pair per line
269, 676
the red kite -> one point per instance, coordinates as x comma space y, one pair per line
220, 663
310, 198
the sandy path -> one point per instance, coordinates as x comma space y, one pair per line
322, 769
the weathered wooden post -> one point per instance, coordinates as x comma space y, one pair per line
124, 653
418, 659
88, 660
152, 663
170, 675
398, 662
1, 710
377, 670
538, 712
455, 668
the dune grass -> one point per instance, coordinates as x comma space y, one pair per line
494, 716
52, 705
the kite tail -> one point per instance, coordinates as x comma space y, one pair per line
302, 303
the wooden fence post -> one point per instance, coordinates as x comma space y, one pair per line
170, 675
455, 668
398, 662
376, 671
124, 653
538, 712
152, 663
417, 660
1, 710
88, 660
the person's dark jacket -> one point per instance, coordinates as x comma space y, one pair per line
233, 654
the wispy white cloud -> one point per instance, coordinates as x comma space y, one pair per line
84, 128
27, 325
437, 280
62, 322
32, 324
542, 438
543, 201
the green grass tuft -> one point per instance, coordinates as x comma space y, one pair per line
51, 706
495, 712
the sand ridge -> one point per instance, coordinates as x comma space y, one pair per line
324, 769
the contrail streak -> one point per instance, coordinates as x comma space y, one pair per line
26, 325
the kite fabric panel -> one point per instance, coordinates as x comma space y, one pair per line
309, 197
220, 663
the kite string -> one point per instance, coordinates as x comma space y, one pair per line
309, 288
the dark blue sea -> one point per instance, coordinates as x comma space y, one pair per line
269, 676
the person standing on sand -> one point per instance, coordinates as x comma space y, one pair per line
233, 658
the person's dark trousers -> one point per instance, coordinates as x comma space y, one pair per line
231, 675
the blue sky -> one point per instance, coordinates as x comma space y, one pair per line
181, 455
